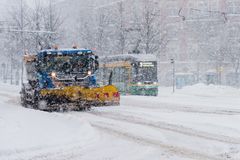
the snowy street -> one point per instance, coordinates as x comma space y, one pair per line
166, 74
198, 122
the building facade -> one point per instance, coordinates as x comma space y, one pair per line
202, 36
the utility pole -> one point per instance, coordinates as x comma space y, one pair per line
50, 20
22, 46
122, 30
173, 74
22, 41
22, 31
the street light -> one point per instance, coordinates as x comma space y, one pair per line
173, 74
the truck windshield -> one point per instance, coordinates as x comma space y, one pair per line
67, 64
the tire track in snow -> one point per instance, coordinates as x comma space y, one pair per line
63, 154
111, 128
5, 95
11, 99
179, 151
192, 110
65, 151
183, 108
169, 127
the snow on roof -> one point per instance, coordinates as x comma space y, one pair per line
64, 51
184, 74
211, 71
134, 57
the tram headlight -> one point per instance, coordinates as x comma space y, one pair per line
139, 83
54, 74
89, 73
155, 83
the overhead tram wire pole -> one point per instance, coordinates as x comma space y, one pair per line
23, 49
22, 31
22, 42
173, 74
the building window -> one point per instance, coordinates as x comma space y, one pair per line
172, 8
213, 5
172, 50
233, 7
173, 30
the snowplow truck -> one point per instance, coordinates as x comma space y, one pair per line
64, 80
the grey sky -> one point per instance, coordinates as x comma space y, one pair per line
5, 5
31, 2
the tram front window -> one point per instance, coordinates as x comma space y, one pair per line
146, 72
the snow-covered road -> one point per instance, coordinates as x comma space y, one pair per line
196, 123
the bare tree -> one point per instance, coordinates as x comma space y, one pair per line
121, 30
52, 21
19, 21
150, 33
104, 28
85, 32
36, 22
15, 38
35, 27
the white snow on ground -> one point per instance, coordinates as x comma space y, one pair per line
200, 94
23, 130
197, 122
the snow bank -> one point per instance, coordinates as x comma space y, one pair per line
209, 90
23, 130
202, 119
13, 89
202, 90
202, 95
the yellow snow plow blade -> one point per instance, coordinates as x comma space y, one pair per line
107, 95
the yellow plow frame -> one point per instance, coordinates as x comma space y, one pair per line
97, 96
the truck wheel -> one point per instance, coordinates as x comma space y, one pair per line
42, 105
23, 101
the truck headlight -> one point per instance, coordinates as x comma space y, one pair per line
89, 73
54, 74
